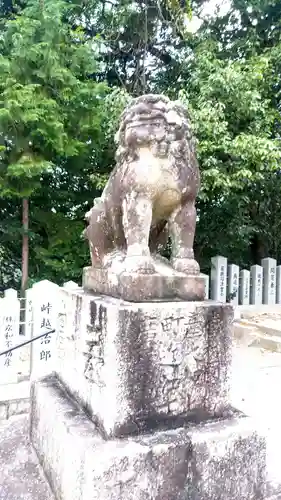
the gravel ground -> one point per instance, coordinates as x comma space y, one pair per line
269, 318
20, 475
256, 390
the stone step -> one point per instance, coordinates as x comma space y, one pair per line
204, 461
255, 334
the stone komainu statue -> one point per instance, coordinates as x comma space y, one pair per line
151, 192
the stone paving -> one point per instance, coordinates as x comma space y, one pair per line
267, 315
20, 475
259, 326
256, 383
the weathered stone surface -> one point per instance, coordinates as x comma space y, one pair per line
132, 363
212, 461
137, 287
149, 196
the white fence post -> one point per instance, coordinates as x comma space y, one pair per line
218, 278
256, 282
25, 352
70, 285
207, 284
233, 282
278, 285
66, 323
45, 300
269, 280
10, 293
244, 296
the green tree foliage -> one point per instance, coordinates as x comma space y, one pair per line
239, 158
50, 108
67, 70
242, 80
136, 38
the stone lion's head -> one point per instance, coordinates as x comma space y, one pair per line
156, 122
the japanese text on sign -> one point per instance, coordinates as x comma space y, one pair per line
222, 280
8, 323
259, 282
272, 280
246, 288
46, 310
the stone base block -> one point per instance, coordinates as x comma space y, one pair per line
213, 461
144, 287
131, 364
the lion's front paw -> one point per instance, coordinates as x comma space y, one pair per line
139, 264
187, 266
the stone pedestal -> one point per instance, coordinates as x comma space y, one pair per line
166, 284
138, 363
132, 410
219, 460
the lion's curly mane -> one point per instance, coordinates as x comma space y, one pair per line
157, 122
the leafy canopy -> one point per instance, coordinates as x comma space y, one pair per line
50, 108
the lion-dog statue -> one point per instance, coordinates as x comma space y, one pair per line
150, 194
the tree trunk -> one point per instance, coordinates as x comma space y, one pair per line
258, 249
25, 216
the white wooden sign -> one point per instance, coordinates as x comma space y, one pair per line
218, 278
278, 285
269, 280
244, 288
45, 299
233, 282
9, 337
256, 284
